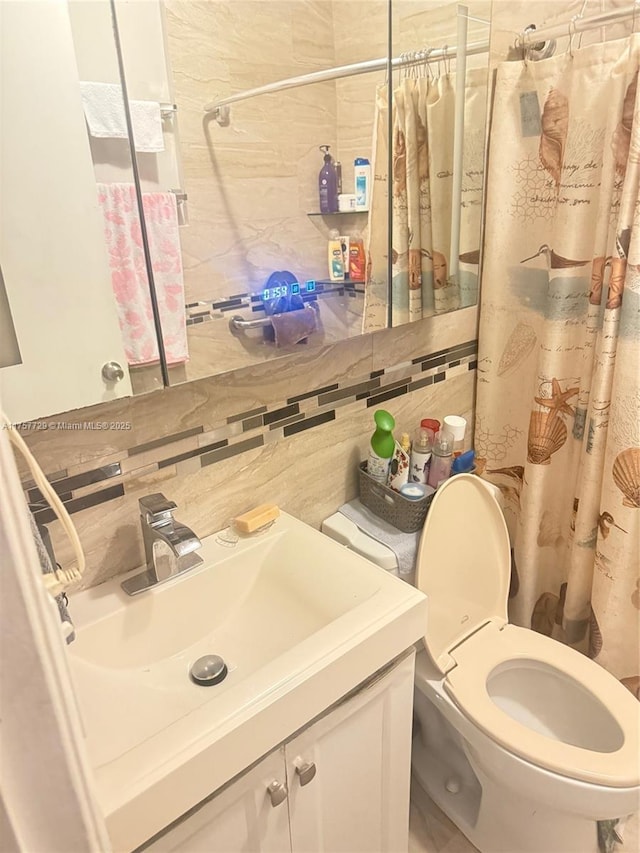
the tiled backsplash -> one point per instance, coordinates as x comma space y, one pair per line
291, 432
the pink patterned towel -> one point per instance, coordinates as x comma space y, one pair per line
129, 275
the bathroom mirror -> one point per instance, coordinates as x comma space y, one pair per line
253, 238
231, 200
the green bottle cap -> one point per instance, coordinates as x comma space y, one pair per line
382, 441
384, 420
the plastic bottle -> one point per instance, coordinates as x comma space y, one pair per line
362, 182
382, 447
420, 456
440, 469
328, 184
357, 262
455, 427
399, 468
464, 464
344, 240
432, 425
338, 177
336, 261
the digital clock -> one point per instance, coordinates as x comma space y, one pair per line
278, 290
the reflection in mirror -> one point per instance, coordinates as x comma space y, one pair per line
151, 115
426, 278
256, 244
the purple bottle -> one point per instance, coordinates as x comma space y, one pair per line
328, 184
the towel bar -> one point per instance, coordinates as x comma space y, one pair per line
237, 323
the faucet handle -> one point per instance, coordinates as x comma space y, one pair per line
156, 505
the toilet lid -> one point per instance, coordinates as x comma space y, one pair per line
463, 565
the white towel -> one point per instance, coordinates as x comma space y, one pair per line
104, 111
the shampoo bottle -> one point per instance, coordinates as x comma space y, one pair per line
344, 240
328, 184
357, 263
362, 182
336, 261
382, 447
440, 469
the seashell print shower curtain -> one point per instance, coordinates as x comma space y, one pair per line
558, 396
423, 118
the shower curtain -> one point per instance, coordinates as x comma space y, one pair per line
423, 117
558, 397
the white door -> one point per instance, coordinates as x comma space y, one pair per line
245, 816
348, 773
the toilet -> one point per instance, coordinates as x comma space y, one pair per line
523, 742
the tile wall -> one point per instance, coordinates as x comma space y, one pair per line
291, 432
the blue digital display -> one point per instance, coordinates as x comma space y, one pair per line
279, 290
310, 286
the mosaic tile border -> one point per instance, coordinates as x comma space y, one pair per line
201, 312
191, 449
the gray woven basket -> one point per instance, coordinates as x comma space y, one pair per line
393, 507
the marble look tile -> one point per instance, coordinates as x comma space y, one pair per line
326, 457
145, 378
205, 404
360, 30
392, 346
312, 32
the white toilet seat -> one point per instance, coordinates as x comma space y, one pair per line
483, 654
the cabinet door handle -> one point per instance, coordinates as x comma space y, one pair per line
277, 792
306, 771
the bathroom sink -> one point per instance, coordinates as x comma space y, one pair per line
299, 621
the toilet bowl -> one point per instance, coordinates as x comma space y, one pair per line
525, 743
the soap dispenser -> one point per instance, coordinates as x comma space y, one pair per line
328, 184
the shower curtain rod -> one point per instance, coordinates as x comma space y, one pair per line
414, 58
527, 39
578, 24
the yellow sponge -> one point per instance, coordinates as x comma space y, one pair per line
251, 521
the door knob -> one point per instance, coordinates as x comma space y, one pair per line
277, 792
112, 371
306, 771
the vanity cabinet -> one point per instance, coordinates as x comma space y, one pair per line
341, 785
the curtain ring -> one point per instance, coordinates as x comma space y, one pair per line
427, 64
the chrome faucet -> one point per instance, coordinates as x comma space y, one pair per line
168, 545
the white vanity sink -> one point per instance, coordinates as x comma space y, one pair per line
299, 621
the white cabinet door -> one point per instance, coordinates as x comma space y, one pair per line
240, 818
54, 259
357, 801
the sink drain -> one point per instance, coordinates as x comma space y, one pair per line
208, 670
